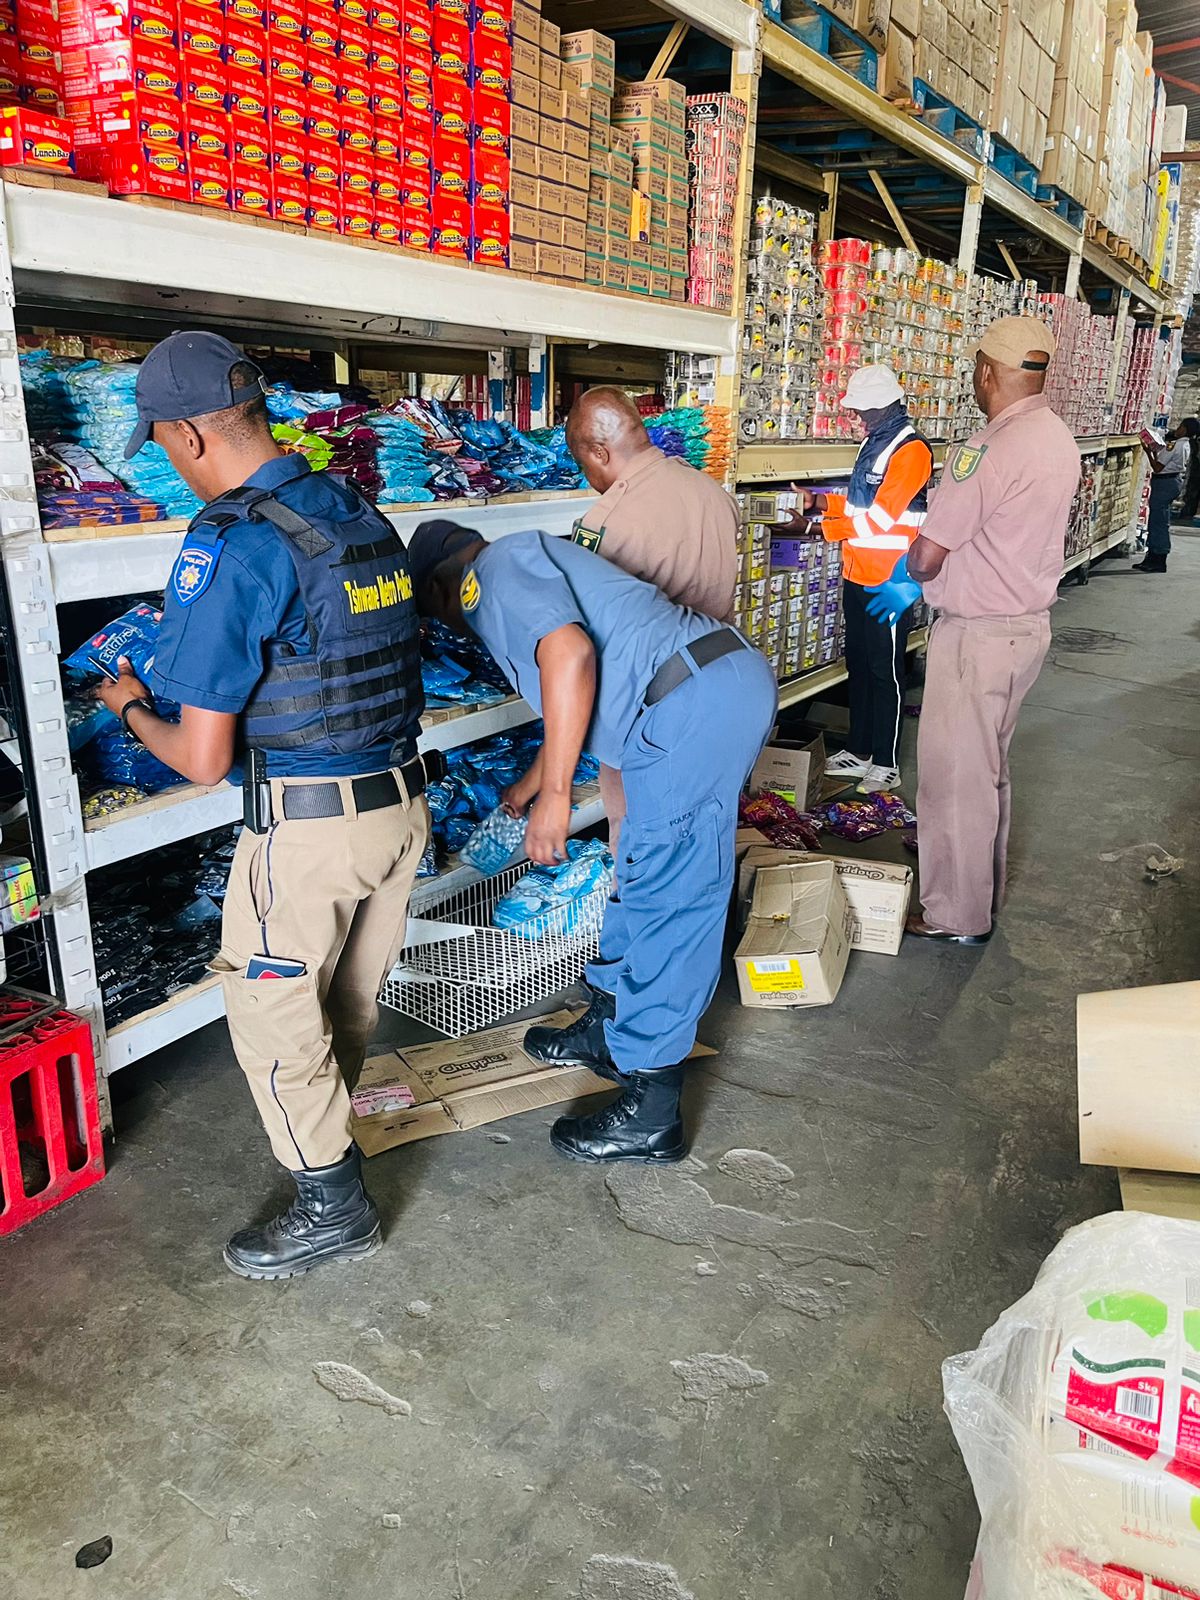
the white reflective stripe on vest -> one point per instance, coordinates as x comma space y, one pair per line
882, 519
889, 450
881, 541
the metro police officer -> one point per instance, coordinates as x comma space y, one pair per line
291, 641
681, 707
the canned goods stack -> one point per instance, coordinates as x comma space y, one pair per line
782, 323
1077, 384
1083, 529
689, 380
716, 128
897, 308
789, 594
987, 299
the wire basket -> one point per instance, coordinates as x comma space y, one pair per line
462, 984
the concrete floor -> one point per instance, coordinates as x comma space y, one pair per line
929, 1118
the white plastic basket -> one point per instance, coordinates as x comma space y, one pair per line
473, 980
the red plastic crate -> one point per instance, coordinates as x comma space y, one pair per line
49, 1107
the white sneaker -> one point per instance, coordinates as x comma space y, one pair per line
879, 780
846, 765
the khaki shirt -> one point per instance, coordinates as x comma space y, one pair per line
673, 526
1001, 510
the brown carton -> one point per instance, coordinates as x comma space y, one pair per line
797, 942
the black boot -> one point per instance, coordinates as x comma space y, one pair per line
332, 1218
1152, 564
581, 1043
641, 1124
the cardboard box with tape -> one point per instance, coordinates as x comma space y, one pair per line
878, 893
797, 941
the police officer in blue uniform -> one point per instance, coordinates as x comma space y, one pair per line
291, 641
681, 705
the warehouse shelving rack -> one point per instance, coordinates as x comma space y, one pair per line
78, 253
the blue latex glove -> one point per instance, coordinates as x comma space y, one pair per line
889, 601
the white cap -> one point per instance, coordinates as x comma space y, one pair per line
871, 389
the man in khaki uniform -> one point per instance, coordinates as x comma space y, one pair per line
657, 518
290, 640
990, 557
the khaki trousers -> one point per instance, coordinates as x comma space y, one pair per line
977, 673
332, 893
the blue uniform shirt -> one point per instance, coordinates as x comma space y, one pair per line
526, 585
211, 651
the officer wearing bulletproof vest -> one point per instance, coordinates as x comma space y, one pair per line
290, 639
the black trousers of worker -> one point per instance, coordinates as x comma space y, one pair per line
875, 658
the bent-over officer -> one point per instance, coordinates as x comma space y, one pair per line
657, 518
990, 557
681, 707
290, 638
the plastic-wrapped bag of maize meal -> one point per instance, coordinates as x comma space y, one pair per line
1079, 1420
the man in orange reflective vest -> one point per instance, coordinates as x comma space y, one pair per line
876, 521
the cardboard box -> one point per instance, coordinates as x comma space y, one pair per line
878, 892
792, 769
30, 138
1137, 1055
797, 941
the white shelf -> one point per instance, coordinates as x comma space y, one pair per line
1095, 551
87, 564
194, 1008
734, 22
801, 459
191, 262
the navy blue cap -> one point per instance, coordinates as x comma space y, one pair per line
432, 542
187, 375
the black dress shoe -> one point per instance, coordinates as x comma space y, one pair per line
1152, 564
641, 1124
581, 1043
332, 1218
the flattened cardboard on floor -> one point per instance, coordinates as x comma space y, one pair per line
1139, 1077
463, 1083
797, 941
878, 893
1163, 1194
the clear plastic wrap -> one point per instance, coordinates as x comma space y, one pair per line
1079, 1420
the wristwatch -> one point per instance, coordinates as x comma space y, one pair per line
135, 700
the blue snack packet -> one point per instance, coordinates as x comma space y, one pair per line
135, 635
494, 842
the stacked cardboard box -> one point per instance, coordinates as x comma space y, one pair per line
1122, 198
1073, 132
31, 71
953, 49
1030, 35
550, 173
716, 130
653, 116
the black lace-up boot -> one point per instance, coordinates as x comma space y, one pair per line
641, 1124
332, 1218
581, 1043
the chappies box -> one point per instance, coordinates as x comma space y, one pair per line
323, 122
418, 229
388, 226
146, 169
246, 46
355, 45
386, 187
491, 120
387, 96
324, 166
387, 17
490, 233
526, 124
321, 28
250, 140
526, 58
247, 93
324, 210
388, 139
250, 189
451, 230
209, 181
358, 215
522, 256
549, 260
321, 76
207, 134
418, 26
286, 18
289, 198
289, 153
201, 31
797, 940
358, 131
29, 138
527, 22
354, 89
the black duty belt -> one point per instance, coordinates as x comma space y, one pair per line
306, 802
703, 651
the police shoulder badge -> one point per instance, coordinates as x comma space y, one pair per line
195, 569
589, 538
966, 459
469, 591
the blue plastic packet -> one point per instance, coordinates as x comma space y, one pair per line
536, 904
134, 634
494, 842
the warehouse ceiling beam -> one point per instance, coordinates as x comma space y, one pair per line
1006, 256
893, 210
790, 168
668, 50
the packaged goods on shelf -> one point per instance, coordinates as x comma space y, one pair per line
1114, 503
652, 117
1120, 197
781, 325
33, 138
789, 594
1073, 129
690, 380
716, 130
1150, 362
1185, 280
1077, 384
1029, 35
1083, 523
